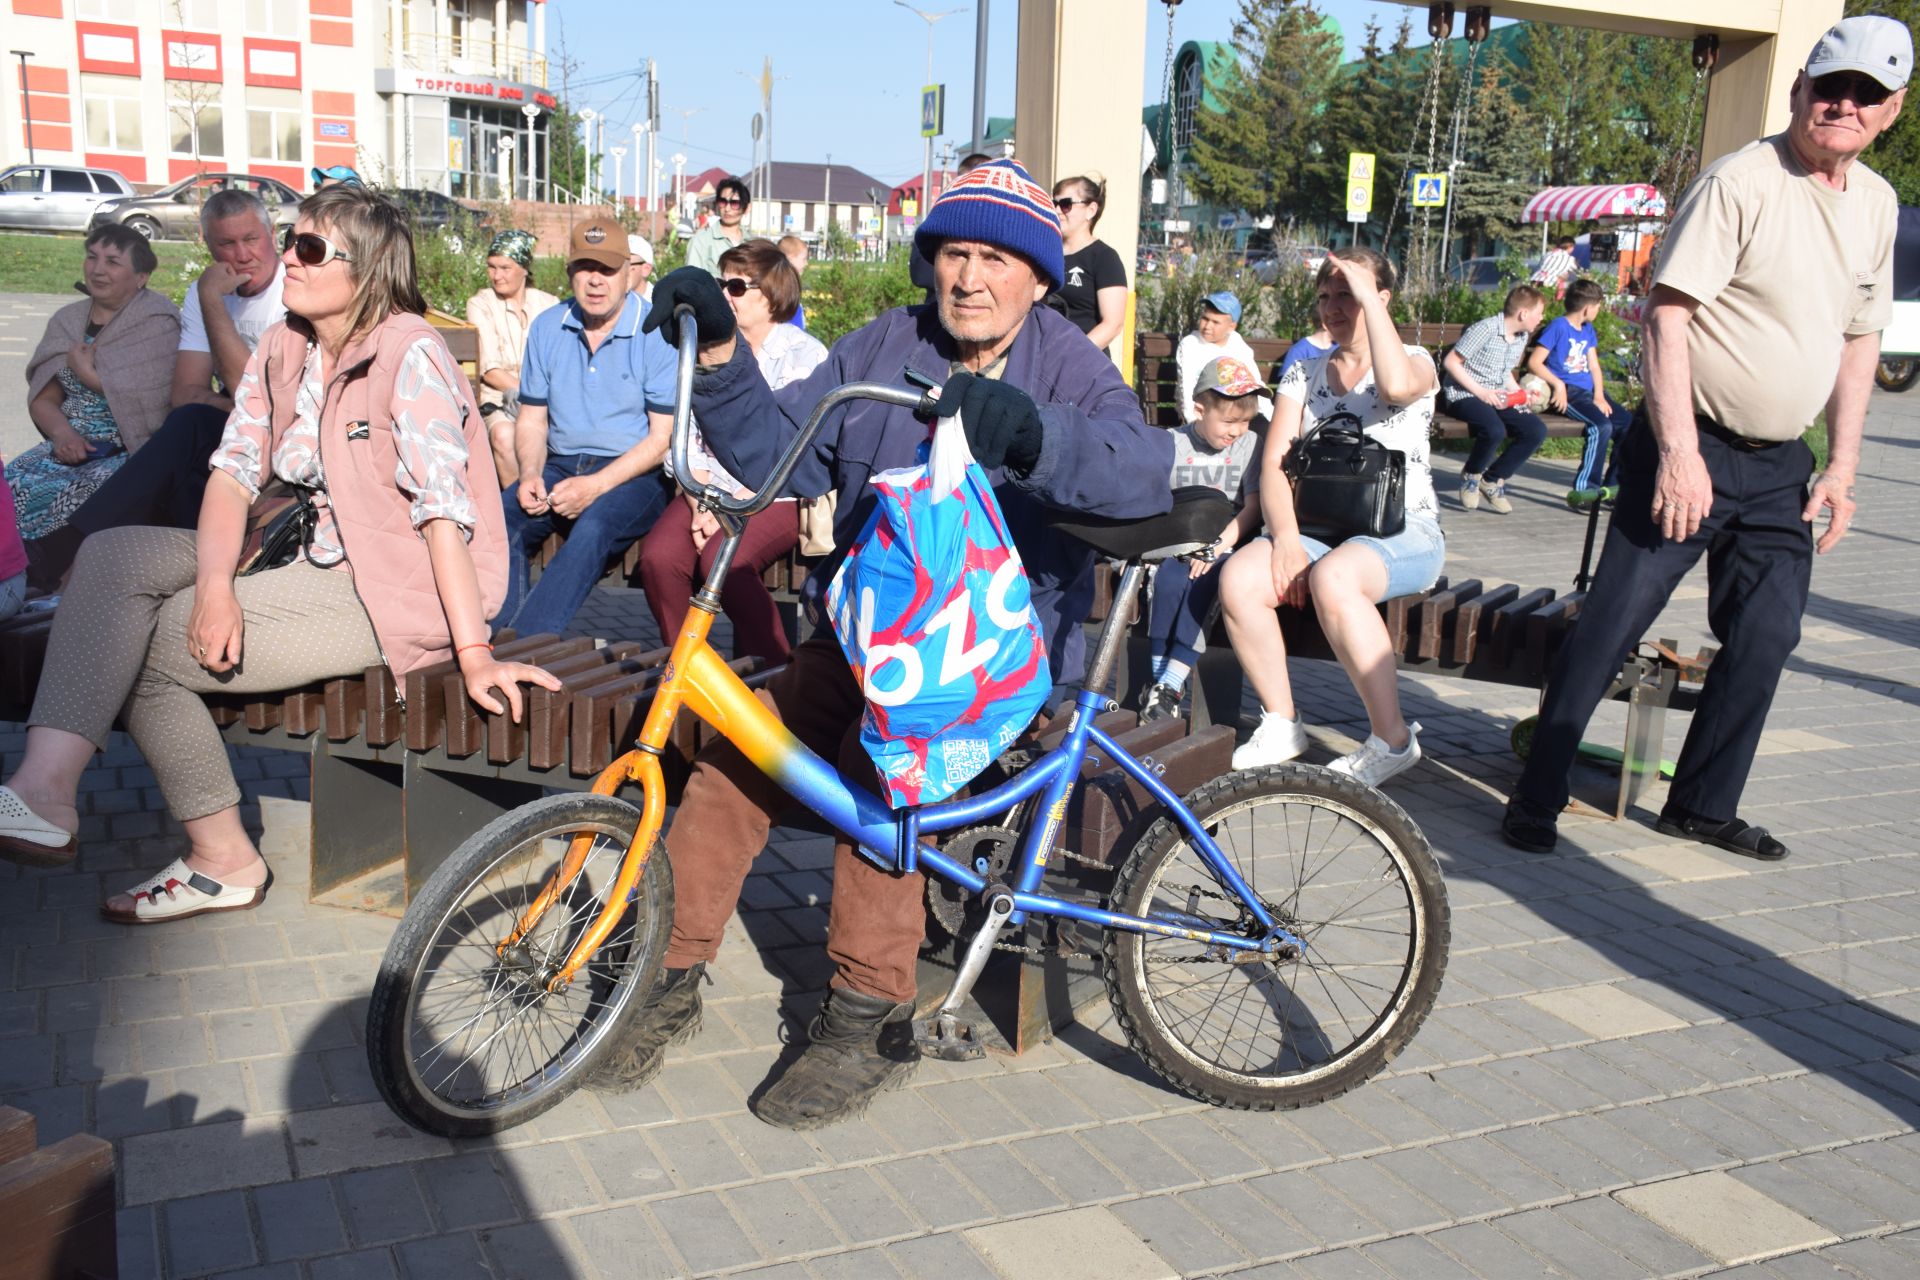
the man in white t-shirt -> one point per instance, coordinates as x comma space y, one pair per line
236, 299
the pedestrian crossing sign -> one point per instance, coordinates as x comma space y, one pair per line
1429, 190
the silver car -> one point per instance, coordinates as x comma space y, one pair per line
55, 197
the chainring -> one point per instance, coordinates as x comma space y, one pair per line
948, 904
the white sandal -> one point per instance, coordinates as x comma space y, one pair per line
178, 892
29, 839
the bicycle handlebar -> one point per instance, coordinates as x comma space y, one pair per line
771, 488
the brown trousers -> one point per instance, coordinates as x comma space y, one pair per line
878, 919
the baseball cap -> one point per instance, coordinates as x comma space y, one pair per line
1873, 45
598, 240
637, 247
1229, 375
1226, 304
335, 173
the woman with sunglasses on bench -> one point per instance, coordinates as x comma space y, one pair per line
356, 403
763, 289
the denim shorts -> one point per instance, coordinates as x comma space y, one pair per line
1414, 556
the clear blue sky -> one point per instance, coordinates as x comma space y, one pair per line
852, 69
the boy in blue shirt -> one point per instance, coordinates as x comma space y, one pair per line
1566, 360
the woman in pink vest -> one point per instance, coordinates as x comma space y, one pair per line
356, 405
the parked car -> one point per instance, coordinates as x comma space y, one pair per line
1482, 275
55, 197
1268, 263
173, 212
431, 211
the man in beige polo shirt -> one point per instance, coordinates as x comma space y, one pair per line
1769, 296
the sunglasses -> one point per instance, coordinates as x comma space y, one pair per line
1065, 203
1864, 91
732, 201
736, 287
311, 249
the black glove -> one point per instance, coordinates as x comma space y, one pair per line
1002, 422
689, 286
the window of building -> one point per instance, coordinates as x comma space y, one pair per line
1186, 102
112, 110
108, 10
194, 15
195, 122
275, 17
273, 125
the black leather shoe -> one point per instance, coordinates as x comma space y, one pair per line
1732, 835
861, 1046
671, 1015
1528, 827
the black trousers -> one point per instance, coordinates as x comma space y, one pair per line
1759, 564
160, 485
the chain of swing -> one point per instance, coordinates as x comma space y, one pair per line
1419, 268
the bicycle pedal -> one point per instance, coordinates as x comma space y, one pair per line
948, 1039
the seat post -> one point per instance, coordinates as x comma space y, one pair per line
1114, 633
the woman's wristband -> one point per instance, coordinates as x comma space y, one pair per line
478, 644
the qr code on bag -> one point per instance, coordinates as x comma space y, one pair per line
966, 757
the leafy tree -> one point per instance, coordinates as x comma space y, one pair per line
569, 157
1895, 154
1574, 92
1357, 117
1498, 161
1249, 153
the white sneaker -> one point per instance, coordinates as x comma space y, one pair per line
1276, 741
1375, 761
1470, 490
1496, 495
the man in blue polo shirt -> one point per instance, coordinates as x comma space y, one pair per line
596, 416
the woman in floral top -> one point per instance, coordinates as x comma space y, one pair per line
1390, 387
355, 403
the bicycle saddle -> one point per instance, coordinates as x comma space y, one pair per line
1197, 517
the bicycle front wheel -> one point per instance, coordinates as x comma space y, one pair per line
1339, 865
463, 1036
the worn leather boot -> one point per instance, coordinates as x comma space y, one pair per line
862, 1046
671, 1014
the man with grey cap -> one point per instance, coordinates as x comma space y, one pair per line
1769, 296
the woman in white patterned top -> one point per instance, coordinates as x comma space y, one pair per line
1389, 386
355, 401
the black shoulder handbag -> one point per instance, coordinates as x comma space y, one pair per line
279, 528
1346, 484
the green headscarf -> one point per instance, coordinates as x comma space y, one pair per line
514, 244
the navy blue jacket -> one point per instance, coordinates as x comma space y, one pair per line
1097, 455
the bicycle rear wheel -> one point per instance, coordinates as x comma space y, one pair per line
463, 1037
1343, 868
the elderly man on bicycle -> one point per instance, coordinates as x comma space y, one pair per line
1054, 425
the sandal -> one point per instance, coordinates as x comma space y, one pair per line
1732, 835
179, 893
29, 839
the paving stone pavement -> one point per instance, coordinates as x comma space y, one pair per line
1649, 1058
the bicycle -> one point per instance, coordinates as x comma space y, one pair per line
518, 967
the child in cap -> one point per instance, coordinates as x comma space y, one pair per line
1219, 449
1216, 334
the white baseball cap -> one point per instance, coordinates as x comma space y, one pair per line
1873, 45
637, 247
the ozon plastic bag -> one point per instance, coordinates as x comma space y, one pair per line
933, 609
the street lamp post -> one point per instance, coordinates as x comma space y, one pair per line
679, 180
26, 105
532, 113
587, 117
506, 162
619, 166
640, 176
926, 170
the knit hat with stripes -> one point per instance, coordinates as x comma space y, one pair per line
998, 204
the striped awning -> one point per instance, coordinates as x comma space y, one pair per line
1577, 204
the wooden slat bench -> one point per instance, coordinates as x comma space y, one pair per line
1157, 377
58, 1204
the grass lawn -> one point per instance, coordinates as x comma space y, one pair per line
51, 263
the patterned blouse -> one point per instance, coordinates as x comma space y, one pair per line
1403, 427
427, 412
